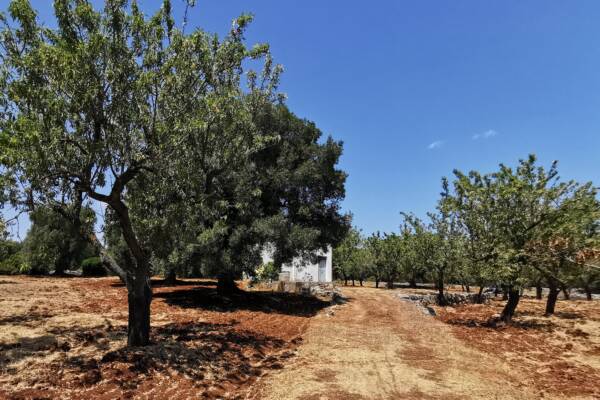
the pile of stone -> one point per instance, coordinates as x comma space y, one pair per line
290, 287
325, 290
425, 301
322, 290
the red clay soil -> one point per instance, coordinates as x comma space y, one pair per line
558, 355
65, 338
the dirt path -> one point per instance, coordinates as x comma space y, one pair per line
378, 347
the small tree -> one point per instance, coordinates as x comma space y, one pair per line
54, 243
374, 245
12, 260
344, 255
386, 253
471, 201
390, 258
509, 210
557, 253
588, 275
449, 242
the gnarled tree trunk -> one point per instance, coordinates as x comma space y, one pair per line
412, 283
552, 296
511, 305
170, 277
226, 284
480, 295
139, 297
588, 292
538, 291
390, 282
440, 288
137, 279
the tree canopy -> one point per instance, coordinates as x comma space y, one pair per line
511, 228
189, 149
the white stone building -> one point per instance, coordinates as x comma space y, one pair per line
314, 267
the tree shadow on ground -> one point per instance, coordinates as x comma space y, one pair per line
200, 357
195, 349
569, 315
206, 354
159, 283
557, 314
27, 347
205, 297
28, 319
59, 340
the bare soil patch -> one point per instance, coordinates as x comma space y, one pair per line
65, 338
558, 355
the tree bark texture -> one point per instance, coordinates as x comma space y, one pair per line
508, 312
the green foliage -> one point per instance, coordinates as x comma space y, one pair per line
267, 272
509, 218
53, 243
387, 255
345, 255
412, 268
12, 259
116, 107
288, 196
93, 266
511, 228
521, 224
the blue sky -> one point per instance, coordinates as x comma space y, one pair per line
416, 89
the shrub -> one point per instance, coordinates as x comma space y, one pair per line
267, 272
93, 266
53, 243
12, 258
14, 264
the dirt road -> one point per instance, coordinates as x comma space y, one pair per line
378, 347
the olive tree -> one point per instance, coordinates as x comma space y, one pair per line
54, 243
344, 255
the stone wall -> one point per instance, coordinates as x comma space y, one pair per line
326, 290
425, 301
